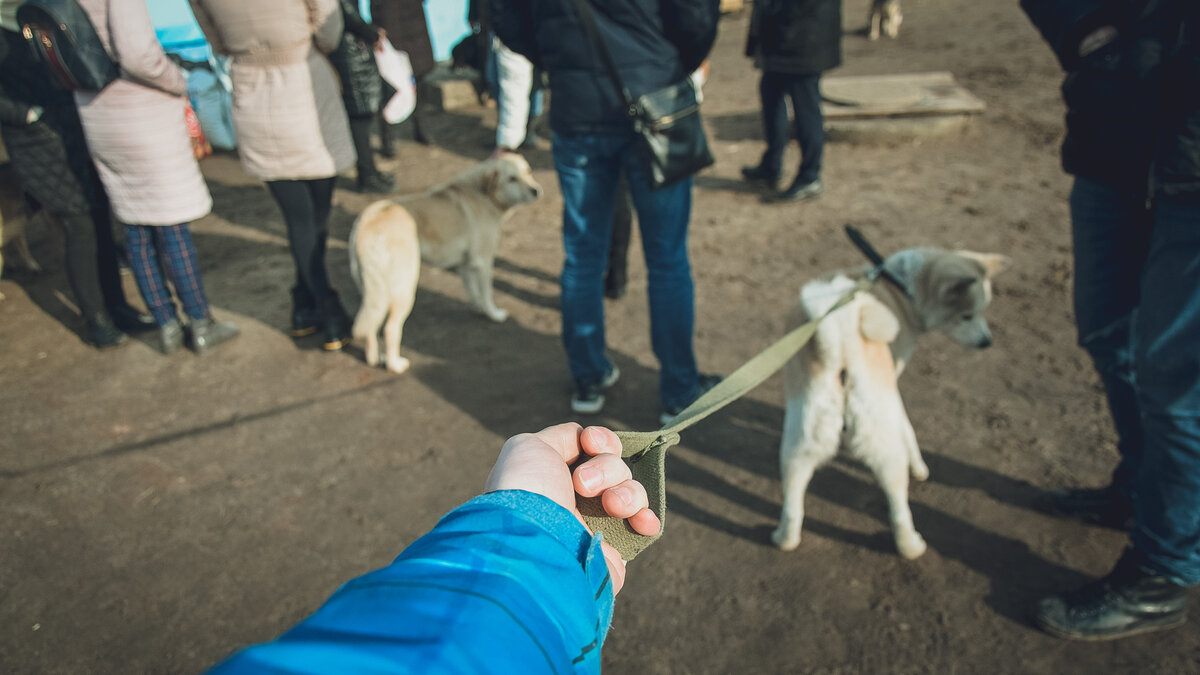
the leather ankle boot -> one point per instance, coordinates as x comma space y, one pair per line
1131, 599
204, 334
304, 313
170, 337
335, 323
102, 333
130, 320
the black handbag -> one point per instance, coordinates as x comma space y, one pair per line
63, 38
667, 121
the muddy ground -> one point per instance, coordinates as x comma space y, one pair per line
158, 512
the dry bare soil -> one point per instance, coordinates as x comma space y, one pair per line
158, 512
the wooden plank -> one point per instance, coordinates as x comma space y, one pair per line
902, 95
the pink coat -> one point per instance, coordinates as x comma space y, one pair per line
135, 127
287, 105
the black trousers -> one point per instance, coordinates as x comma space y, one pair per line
306, 205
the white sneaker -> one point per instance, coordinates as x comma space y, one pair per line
590, 400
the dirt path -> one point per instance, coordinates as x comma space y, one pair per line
156, 513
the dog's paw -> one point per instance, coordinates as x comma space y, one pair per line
920, 472
498, 315
911, 546
397, 365
783, 541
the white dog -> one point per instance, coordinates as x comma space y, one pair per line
841, 388
455, 225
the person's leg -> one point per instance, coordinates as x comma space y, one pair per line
663, 217
775, 128
305, 241
147, 271
618, 253
1166, 333
174, 244
587, 170
805, 92
332, 316
1146, 590
1110, 234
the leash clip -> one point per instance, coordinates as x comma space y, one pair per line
666, 439
879, 271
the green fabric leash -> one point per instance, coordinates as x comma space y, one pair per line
645, 451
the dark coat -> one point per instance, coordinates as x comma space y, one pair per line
799, 37
655, 43
1133, 106
50, 156
404, 21
354, 59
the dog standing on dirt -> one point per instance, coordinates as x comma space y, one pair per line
14, 217
455, 225
841, 388
886, 17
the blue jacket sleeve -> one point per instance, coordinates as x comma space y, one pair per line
508, 582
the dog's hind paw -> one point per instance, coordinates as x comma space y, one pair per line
397, 365
783, 541
911, 547
920, 472
498, 315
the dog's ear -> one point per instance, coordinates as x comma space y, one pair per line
958, 287
993, 263
490, 182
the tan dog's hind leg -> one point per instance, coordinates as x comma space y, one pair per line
392, 331
876, 18
477, 280
812, 427
882, 440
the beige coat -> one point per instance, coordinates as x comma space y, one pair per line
287, 106
135, 127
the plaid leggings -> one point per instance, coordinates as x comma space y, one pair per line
153, 248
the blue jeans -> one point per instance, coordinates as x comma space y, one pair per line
805, 93
588, 168
1138, 309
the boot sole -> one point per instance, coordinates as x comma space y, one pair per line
304, 332
334, 345
1059, 632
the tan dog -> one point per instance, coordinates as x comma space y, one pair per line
841, 388
455, 225
14, 217
886, 17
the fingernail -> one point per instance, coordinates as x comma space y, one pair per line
595, 437
590, 477
624, 494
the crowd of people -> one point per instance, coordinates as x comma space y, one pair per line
1132, 145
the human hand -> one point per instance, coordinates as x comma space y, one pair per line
541, 463
34, 114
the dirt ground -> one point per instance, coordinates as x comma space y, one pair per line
157, 513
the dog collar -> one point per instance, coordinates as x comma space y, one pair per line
879, 271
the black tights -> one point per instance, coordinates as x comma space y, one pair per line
91, 256
306, 205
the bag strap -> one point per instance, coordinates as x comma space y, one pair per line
587, 18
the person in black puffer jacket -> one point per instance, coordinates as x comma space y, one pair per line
1133, 146
793, 42
654, 43
362, 92
48, 152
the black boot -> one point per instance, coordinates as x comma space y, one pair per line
102, 333
304, 312
130, 320
1131, 599
1104, 506
335, 323
204, 334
